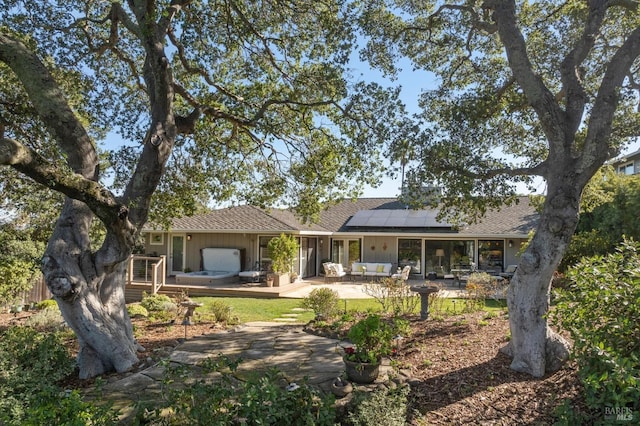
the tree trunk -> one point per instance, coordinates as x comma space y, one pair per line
535, 348
90, 294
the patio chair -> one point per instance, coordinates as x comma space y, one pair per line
333, 271
255, 275
403, 275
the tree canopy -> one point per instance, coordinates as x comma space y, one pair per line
519, 86
214, 101
265, 111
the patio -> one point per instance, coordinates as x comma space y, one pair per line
347, 289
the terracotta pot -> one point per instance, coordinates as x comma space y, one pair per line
362, 372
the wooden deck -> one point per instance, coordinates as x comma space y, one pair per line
133, 291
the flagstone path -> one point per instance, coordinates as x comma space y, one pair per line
261, 345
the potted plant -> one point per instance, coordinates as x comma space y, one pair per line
372, 339
282, 251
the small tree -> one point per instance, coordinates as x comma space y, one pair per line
283, 251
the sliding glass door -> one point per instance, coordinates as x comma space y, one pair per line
345, 252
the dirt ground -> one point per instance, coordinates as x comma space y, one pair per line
459, 375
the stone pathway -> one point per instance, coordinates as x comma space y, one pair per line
261, 345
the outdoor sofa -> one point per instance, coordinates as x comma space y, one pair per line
371, 269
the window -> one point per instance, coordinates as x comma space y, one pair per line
626, 169
443, 256
410, 254
490, 255
263, 253
348, 256
156, 239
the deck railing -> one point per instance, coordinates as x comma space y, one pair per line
150, 270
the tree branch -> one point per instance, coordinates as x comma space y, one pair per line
552, 117
172, 10
27, 161
50, 104
606, 103
570, 69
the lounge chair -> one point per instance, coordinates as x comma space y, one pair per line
403, 275
333, 271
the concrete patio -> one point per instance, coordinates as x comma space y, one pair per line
347, 289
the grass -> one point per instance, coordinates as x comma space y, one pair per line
255, 309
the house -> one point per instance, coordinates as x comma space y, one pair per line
628, 164
366, 230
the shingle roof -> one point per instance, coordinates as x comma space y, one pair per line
236, 218
335, 218
519, 218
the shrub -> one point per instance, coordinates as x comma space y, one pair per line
606, 344
158, 303
436, 301
137, 310
221, 311
19, 265
283, 251
265, 400
322, 301
46, 320
31, 362
48, 304
381, 407
393, 295
58, 407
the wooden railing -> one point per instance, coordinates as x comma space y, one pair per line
150, 270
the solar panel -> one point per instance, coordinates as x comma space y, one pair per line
396, 219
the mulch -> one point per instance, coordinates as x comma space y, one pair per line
459, 375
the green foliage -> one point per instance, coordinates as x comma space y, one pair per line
323, 301
380, 407
221, 311
47, 304
48, 320
373, 338
158, 303
283, 251
585, 244
59, 407
602, 313
609, 208
264, 400
137, 310
31, 362
19, 263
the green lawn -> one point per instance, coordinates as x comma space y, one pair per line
255, 309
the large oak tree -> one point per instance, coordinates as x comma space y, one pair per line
214, 100
524, 89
